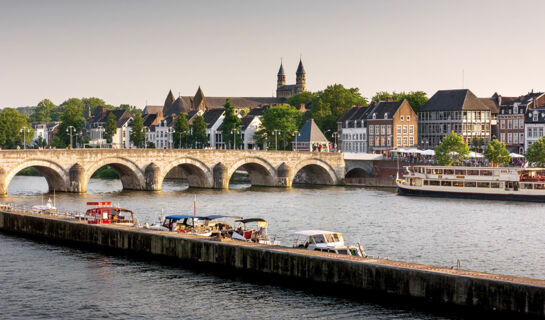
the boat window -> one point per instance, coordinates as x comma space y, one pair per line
319, 238
470, 184
473, 172
457, 183
439, 171
486, 173
483, 184
329, 237
527, 186
539, 186
429, 171
461, 172
449, 171
446, 183
434, 183
338, 237
494, 185
426, 182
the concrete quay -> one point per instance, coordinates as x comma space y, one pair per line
475, 291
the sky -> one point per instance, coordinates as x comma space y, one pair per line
134, 52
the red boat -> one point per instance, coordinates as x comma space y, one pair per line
104, 213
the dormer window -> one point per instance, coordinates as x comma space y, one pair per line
535, 116
386, 115
502, 111
374, 115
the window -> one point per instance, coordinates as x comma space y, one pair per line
386, 115
371, 130
408, 118
382, 141
535, 116
411, 140
401, 118
502, 123
404, 141
515, 138
398, 142
371, 142
382, 129
411, 129
404, 129
509, 137
515, 124
521, 123
398, 130
389, 141
374, 115
529, 132
509, 124
377, 141
389, 129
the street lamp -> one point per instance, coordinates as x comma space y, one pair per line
295, 134
145, 130
70, 130
171, 132
275, 133
100, 129
335, 135
78, 134
24, 130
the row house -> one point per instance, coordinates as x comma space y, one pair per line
121, 137
534, 126
458, 111
45, 131
392, 125
512, 118
352, 130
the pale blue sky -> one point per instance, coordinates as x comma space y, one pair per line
135, 51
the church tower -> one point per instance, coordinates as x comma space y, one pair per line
281, 77
300, 83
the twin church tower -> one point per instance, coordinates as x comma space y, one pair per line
284, 90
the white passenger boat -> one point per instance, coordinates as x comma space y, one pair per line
326, 241
519, 184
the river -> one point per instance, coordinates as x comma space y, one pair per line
59, 282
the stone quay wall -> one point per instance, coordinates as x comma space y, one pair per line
488, 293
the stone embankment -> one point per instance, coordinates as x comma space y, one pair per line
477, 291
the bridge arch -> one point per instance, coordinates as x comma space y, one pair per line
260, 171
198, 174
129, 173
314, 171
57, 178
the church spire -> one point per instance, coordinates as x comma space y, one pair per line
300, 83
300, 68
281, 76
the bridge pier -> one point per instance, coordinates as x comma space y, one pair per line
221, 176
77, 179
153, 177
284, 175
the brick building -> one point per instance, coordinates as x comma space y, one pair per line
392, 125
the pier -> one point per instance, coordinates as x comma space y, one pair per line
478, 291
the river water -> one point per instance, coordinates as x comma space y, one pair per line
44, 280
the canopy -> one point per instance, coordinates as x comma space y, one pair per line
428, 152
413, 150
475, 155
516, 155
308, 233
251, 220
181, 216
214, 217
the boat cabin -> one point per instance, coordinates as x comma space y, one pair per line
245, 231
104, 213
325, 241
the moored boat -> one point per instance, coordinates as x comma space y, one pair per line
105, 213
187, 224
246, 232
493, 183
326, 241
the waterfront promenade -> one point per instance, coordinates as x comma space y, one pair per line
461, 288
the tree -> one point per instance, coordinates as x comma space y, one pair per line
415, 98
536, 152
132, 109
328, 105
72, 116
301, 98
181, 132
452, 150
199, 137
496, 153
230, 125
137, 135
40, 142
477, 143
11, 123
279, 123
110, 127
43, 111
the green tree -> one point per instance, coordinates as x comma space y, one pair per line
230, 125
415, 98
137, 135
90, 105
11, 125
181, 132
43, 111
40, 142
280, 123
536, 152
496, 153
452, 150
301, 98
132, 109
110, 127
199, 138
72, 116
477, 143
328, 105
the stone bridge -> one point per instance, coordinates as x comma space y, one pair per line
145, 169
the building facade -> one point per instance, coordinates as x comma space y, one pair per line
534, 126
284, 90
392, 125
458, 111
352, 130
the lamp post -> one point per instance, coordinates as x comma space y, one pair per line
335, 135
171, 132
145, 130
78, 134
100, 129
70, 130
24, 130
275, 133
295, 134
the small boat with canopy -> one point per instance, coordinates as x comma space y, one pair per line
326, 241
247, 231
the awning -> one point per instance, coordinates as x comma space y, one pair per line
309, 233
516, 155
